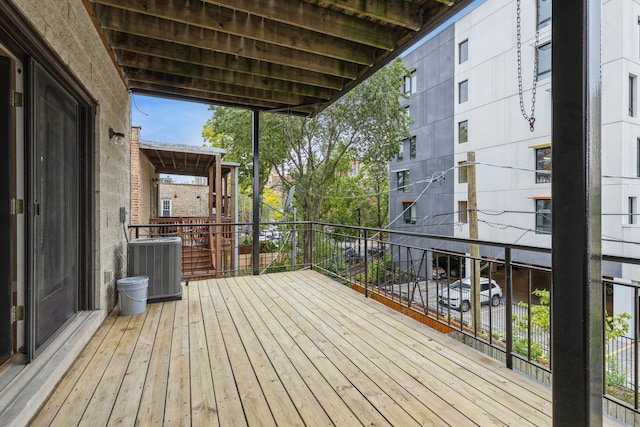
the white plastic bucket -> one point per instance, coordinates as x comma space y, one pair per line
132, 293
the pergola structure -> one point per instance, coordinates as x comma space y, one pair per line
179, 159
297, 56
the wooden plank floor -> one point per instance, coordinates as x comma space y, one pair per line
285, 349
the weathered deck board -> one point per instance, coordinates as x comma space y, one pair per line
285, 349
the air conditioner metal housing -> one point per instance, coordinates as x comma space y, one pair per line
161, 260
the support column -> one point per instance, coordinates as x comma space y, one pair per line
255, 129
219, 212
577, 300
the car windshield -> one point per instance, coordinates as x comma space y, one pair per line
458, 283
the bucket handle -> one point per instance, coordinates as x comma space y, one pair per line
135, 299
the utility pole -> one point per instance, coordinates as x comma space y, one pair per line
472, 217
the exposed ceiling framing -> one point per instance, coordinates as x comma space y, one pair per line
280, 55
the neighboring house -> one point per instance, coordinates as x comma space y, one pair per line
464, 97
160, 201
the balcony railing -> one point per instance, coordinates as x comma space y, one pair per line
412, 273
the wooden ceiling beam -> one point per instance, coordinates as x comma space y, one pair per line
202, 38
219, 88
132, 62
207, 58
401, 13
253, 27
148, 88
311, 17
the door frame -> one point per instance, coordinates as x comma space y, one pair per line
22, 40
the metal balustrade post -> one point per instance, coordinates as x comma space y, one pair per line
508, 278
366, 267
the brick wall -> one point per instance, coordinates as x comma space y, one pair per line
144, 183
184, 199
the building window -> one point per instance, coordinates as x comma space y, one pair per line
543, 216
403, 181
632, 95
411, 83
165, 209
543, 165
544, 61
462, 212
462, 172
463, 51
409, 212
463, 132
633, 210
638, 157
544, 13
401, 151
463, 91
412, 148
408, 111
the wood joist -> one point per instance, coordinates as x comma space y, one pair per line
286, 55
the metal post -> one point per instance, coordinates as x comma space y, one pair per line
576, 305
255, 127
366, 267
294, 250
508, 312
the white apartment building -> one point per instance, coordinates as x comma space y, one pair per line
475, 106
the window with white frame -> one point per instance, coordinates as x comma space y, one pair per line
638, 157
632, 95
633, 210
462, 211
544, 61
543, 216
463, 91
543, 165
463, 52
165, 207
402, 181
544, 13
409, 212
411, 83
462, 172
463, 131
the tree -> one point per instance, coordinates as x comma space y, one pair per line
314, 153
230, 129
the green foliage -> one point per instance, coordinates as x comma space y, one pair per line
315, 154
540, 323
615, 327
379, 269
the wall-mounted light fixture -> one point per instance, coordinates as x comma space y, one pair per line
118, 137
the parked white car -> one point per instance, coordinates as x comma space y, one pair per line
458, 294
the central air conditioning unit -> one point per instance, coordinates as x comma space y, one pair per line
161, 260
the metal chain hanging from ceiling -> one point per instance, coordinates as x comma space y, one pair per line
529, 117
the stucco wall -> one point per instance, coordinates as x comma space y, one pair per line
67, 28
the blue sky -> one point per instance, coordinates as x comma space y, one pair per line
167, 120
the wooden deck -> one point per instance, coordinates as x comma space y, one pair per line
285, 349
